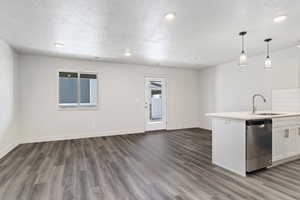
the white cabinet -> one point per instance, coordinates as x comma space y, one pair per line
298, 140
284, 143
228, 144
279, 144
292, 148
286, 138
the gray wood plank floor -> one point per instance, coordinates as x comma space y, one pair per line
158, 166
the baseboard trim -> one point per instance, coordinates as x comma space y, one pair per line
204, 129
6, 149
88, 135
175, 129
78, 136
188, 129
285, 160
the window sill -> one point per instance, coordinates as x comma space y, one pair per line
77, 107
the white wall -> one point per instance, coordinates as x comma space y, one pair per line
286, 100
206, 89
121, 99
233, 87
9, 137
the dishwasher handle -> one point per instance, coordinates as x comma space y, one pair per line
259, 123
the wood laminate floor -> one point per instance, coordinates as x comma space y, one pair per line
158, 166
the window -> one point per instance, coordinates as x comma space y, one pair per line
155, 101
77, 89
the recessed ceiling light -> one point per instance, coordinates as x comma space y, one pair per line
59, 44
280, 18
298, 46
127, 53
170, 16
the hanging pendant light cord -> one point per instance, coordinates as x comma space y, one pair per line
268, 50
243, 48
268, 46
242, 34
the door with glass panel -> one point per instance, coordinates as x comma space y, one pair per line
155, 104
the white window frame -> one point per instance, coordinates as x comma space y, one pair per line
78, 106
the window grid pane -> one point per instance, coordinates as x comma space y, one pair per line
68, 88
88, 89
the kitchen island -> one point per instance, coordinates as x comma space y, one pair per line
229, 138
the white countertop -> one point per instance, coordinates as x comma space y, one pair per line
250, 116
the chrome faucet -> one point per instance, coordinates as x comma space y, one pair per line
253, 101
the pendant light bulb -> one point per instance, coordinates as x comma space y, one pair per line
243, 55
243, 59
268, 61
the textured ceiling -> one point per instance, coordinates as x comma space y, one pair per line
204, 33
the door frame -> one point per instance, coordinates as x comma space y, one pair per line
161, 125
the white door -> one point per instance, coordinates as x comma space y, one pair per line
155, 104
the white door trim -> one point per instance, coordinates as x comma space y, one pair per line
159, 125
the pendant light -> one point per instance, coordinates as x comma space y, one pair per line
243, 55
268, 61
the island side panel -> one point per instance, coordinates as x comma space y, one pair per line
229, 144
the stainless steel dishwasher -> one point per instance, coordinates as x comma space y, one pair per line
259, 144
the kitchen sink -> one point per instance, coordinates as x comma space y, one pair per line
269, 114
